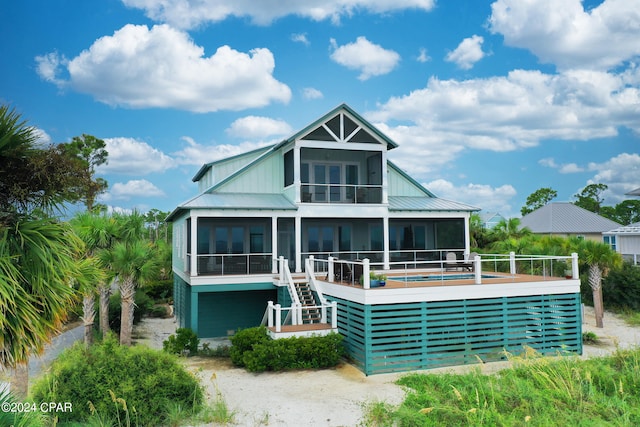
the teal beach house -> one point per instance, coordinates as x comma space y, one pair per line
321, 232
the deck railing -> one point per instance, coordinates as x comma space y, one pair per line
276, 313
485, 266
228, 264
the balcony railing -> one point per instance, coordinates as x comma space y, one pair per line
228, 264
340, 193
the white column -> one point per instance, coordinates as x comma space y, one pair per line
270, 314
330, 269
366, 284
512, 263
385, 242
467, 244
278, 318
477, 269
385, 192
574, 265
194, 245
298, 233
296, 172
274, 244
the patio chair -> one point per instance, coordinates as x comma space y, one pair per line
342, 272
468, 264
357, 271
451, 261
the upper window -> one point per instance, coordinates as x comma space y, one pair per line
611, 241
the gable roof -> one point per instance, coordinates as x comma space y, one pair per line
257, 152
565, 217
635, 192
631, 229
342, 107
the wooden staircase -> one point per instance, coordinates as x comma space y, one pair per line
310, 313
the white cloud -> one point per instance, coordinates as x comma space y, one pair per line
198, 154
132, 157
468, 52
42, 138
189, 14
562, 168
619, 173
48, 67
134, 188
300, 38
479, 195
161, 67
512, 112
422, 56
254, 127
369, 58
311, 93
567, 35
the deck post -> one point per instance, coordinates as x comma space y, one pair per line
323, 313
281, 268
330, 276
512, 263
310, 265
270, 314
366, 284
574, 265
278, 318
477, 270
334, 314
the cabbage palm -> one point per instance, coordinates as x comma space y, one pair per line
38, 261
98, 233
600, 258
132, 261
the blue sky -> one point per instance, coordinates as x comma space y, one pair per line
488, 100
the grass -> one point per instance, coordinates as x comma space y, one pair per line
631, 317
535, 391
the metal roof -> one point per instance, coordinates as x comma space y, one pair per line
565, 217
626, 229
635, 192
247, 201
407, 203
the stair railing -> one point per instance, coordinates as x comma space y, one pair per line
285, 276
314, 285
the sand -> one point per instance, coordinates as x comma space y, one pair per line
333, 397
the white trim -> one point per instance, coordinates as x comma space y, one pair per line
449, 293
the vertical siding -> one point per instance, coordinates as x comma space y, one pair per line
423, 335
181, 301
223, 313
265, 177
179, 252
400, 186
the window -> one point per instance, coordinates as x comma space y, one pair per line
331, 182
611, 241
288, 168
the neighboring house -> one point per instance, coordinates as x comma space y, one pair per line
635, 192
490, 219
626, 241
565, 219
291, 231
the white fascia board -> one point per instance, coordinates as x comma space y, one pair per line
341, 210
450, 293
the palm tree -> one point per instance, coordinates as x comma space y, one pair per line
508, 228
98, 233
132, 261
37, 263
600, 258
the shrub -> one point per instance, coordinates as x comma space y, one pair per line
159, 291
184, 339
143, 305
257, 352
119, 383
244, 340
621, 288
